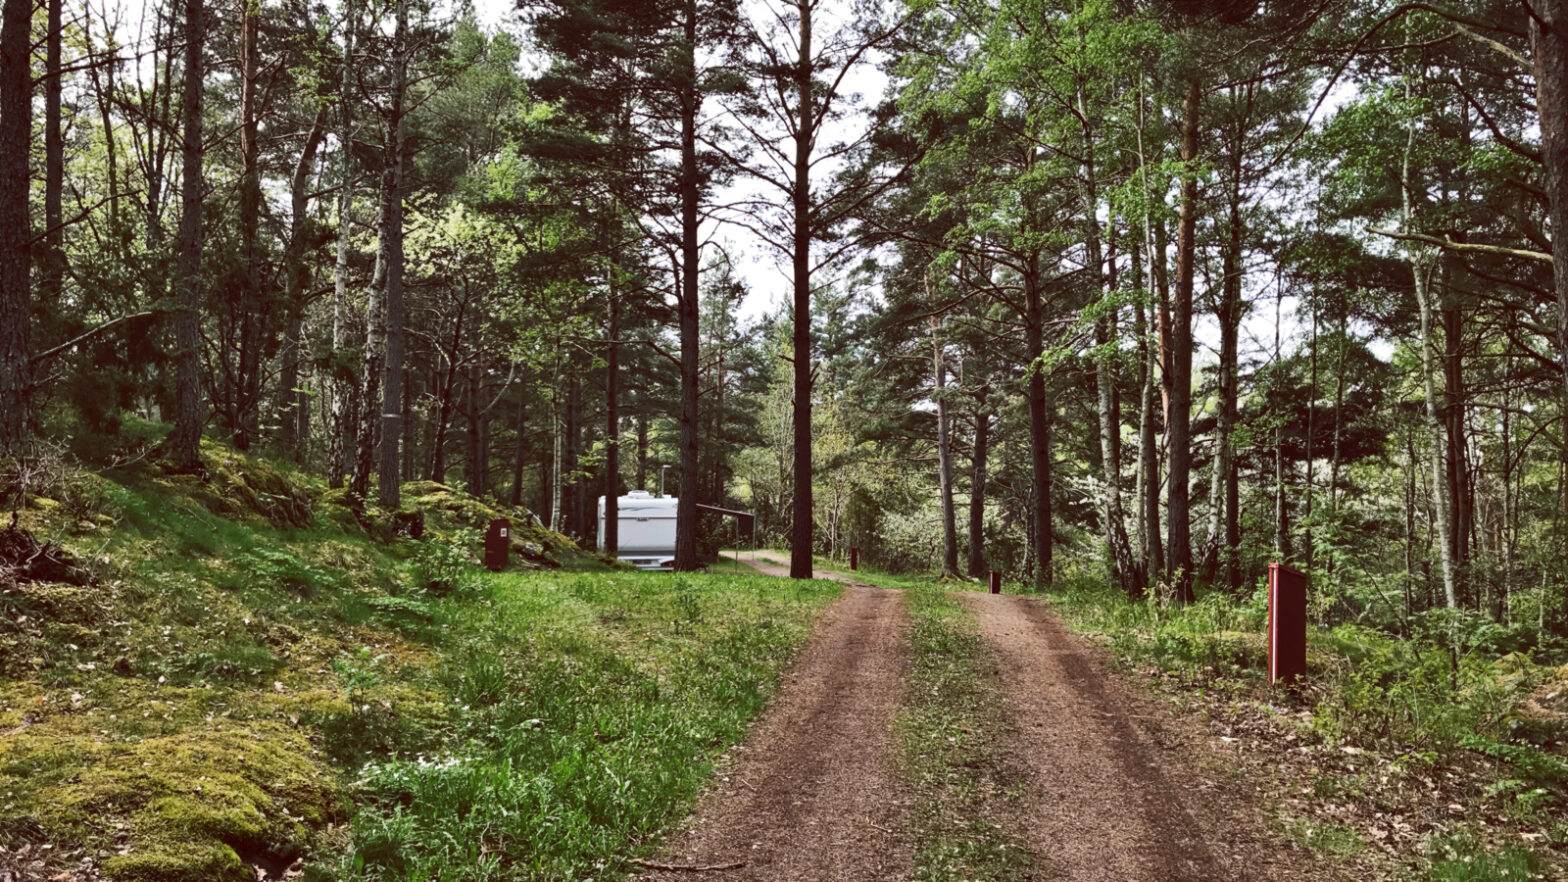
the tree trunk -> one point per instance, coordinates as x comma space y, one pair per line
1148, 449
478, 443
296, 278
519, 448
571, 443
977, 567
1117, 546
690, 187
190, 409
369, 403
247, 307
642, 445
800, 563
1179, 420
16, 117
1453, 414
1549, 46
446, 397
1039, 427
389, 478
52, 269
1230, 388
944, 458
610, 542
341, 386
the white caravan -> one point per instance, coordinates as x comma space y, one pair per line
647, 530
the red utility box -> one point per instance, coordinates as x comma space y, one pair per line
498, 541
1287, 623
854, 558
996, 582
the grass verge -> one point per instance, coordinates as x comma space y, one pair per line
588, 711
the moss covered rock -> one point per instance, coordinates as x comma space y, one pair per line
530, 540
201, 804
239, 486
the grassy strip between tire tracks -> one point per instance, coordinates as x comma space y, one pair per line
951, 736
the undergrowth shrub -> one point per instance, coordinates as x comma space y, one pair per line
445, 564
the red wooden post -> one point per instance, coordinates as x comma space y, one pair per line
1287, 623
498, 541
996, 582
854, 558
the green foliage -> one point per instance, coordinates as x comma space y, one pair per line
446, 564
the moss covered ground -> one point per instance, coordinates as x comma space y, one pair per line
262, 681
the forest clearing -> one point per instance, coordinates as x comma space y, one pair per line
976, 373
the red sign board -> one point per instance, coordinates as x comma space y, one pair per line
498, 541
1287, 623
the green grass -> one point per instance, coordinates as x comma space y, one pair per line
1462, 858
256, 679
967, 793
588, 711
1326, 836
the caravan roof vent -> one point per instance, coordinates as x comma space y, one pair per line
637, 494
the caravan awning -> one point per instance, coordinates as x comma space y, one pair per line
745, 521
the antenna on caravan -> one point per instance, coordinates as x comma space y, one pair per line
663, 470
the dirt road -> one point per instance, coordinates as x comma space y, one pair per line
812, 796
1111, 794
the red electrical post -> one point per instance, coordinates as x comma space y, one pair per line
996, 582
854, 558
1287, 623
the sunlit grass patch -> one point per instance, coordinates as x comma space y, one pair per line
588, 710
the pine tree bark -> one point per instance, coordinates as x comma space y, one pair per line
519, 448
1421, 270
977, 567
610, 542
369, 403
389, 477
246, 304
340, 385
1549, 44
944, 458
478, 434
1179, 419
1230, 386
1039, 426
800, 562
52, 269
1152, 547
690, 191
190, 409
296, 277
1109, 411
571, 504
642, 446
16, 116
